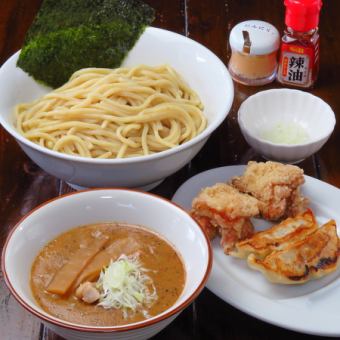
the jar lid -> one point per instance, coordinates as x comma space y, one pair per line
255, 37
302, 15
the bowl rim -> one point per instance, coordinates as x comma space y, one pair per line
106, 329
312, 140
204, 134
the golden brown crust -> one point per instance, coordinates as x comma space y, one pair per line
225, 199
277, 237
276, 186
228, 211
313, 257
205, 224
235, 231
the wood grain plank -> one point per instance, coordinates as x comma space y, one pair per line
328, 88
26, 187
169, 14
219, 321
15, 18
22, 184
169, 17
15, 322
210, 23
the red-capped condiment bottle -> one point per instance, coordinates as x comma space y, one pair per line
299, 57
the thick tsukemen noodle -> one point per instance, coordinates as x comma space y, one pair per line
109, 113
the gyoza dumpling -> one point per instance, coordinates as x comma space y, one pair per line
277, 237
314, 257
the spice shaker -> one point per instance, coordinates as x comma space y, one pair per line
254, 46
299, 57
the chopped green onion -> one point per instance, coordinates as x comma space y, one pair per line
125, 285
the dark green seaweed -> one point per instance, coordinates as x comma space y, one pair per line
68, 35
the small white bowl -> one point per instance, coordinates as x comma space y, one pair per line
46, 222
266, 109
202, 70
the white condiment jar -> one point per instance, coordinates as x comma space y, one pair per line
254, 46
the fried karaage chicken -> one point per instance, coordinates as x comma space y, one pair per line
221, 209
276, 186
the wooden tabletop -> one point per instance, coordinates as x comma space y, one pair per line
23, 185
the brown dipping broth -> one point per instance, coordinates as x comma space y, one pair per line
165, 267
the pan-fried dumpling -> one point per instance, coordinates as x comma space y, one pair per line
314, 257
277, 237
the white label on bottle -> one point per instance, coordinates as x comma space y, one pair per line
297, 68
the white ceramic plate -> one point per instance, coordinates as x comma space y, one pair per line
310, 308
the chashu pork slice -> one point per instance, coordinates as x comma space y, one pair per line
312, 258
278, 237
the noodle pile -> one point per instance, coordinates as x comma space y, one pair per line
114, 113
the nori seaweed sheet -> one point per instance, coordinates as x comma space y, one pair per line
68, 35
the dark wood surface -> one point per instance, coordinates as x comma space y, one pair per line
23, 185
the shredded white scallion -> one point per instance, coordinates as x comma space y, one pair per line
125, 285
